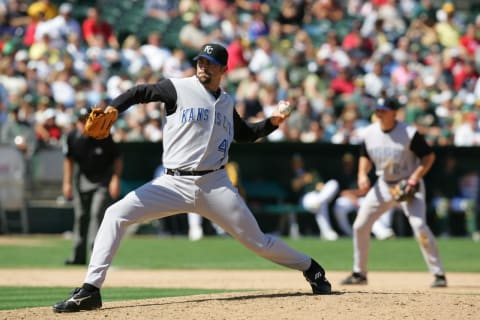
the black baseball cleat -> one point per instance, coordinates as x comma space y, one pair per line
80, 299
439, 282
355, 278
315, 275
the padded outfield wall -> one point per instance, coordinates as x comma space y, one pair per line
270, 163
260, 163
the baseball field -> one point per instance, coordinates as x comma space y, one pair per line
216, 278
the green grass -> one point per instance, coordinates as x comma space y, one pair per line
28, 297
403, 254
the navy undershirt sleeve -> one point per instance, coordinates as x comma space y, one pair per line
249, 132
363, 151
419, 146
163, 91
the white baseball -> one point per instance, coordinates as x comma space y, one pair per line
284, 107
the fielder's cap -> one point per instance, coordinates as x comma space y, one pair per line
213, 52
387, 104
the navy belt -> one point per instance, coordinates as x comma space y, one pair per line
176, 172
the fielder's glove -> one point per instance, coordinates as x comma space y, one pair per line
403, 191
99, 123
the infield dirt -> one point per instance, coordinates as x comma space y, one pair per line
276, 295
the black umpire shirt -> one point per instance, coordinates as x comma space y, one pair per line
93, 159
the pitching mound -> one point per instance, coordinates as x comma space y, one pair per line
277, 295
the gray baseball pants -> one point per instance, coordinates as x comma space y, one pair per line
212, 196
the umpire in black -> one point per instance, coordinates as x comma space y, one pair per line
91, 178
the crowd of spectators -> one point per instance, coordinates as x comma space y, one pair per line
331, 59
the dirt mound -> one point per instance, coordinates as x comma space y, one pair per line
278, 295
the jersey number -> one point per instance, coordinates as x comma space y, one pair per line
222, 147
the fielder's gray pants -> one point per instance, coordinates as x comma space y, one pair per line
377, 201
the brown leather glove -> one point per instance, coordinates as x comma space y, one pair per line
99, 123
403, 191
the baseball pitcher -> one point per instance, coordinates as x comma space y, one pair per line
201, 123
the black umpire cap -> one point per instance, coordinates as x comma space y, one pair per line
213, 52
83, 113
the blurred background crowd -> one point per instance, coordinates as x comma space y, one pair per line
329, 58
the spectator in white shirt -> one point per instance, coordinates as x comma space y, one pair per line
177, 66
375, 81
155, 53
467, 134
265, 62
59, 28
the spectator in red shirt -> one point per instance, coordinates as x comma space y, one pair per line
237, 63
380, 2
464, 74
343, 83
469, 41
236, 55
355, 40
93, 28
48, 132
31, 27
216, 8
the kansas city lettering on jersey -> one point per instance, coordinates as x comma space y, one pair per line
222, 121
194, 114
202, 114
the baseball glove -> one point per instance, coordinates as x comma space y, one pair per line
99, 123
403, 191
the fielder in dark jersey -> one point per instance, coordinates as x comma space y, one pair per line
398, 152
201, 123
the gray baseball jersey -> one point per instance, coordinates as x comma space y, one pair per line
395, 154
200, 125
199, 129
198, 135
392, 153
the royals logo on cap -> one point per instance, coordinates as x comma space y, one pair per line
214, 52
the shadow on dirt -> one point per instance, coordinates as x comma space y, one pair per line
235, 298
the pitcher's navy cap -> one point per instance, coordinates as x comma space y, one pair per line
387, 104
213, 52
